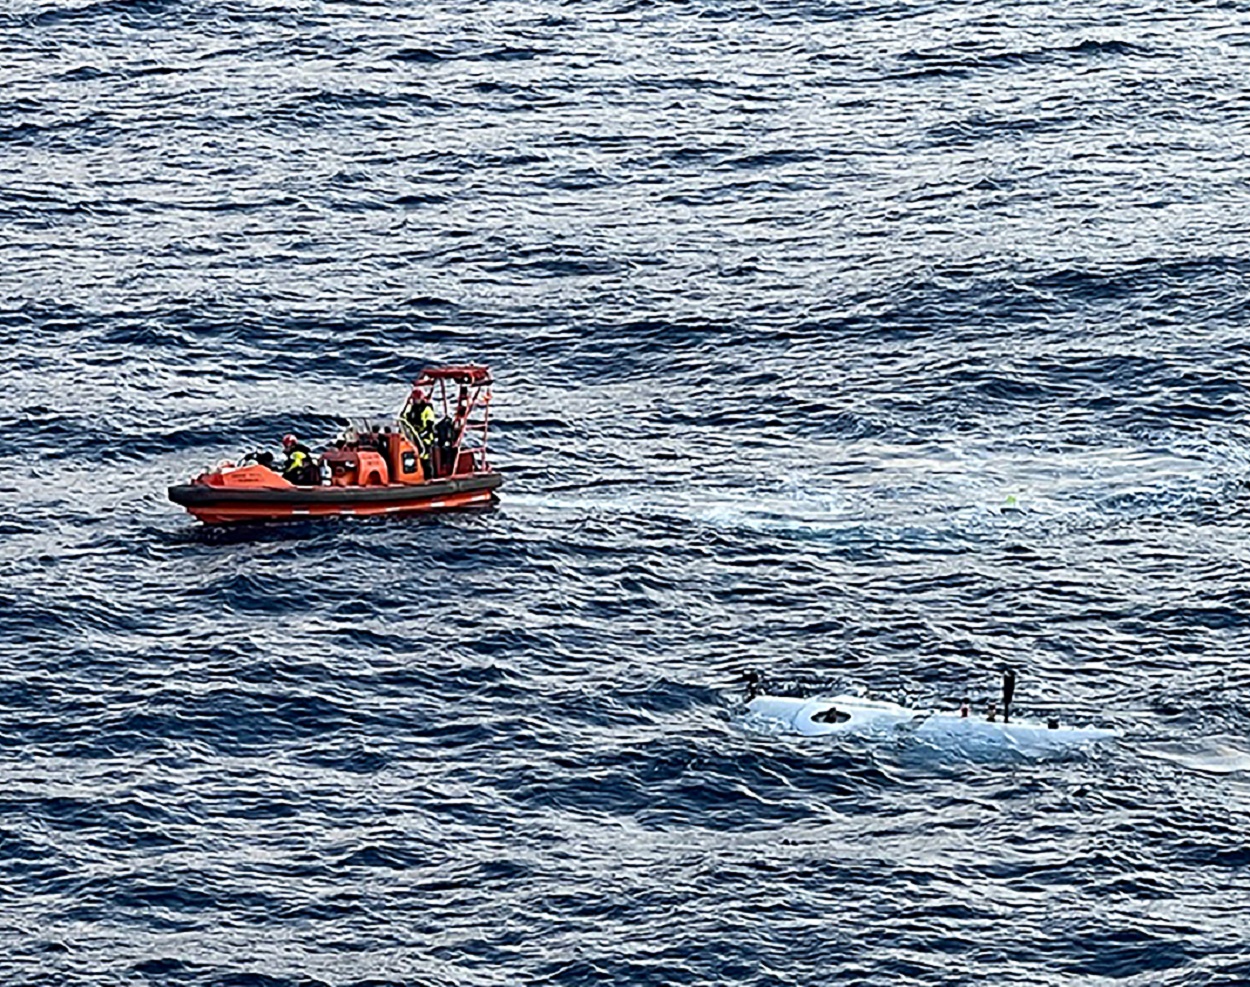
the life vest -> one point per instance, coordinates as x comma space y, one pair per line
420, 421
299, 467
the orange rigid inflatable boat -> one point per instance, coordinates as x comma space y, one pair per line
369, 469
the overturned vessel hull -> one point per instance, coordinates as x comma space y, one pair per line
826, 715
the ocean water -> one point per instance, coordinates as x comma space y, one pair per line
868, 346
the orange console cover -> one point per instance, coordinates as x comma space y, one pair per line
403, 460
373, 471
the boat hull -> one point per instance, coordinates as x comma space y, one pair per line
833, 714
855, 715
226, 505
950, 728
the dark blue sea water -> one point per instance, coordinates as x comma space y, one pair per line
871, 346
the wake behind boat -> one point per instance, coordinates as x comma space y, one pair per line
419, 463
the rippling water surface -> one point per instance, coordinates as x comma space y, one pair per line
868, 346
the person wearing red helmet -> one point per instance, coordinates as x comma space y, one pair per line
417, 423
300, 468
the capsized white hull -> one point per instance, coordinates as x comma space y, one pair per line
833, 714
944, 728
854, 715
